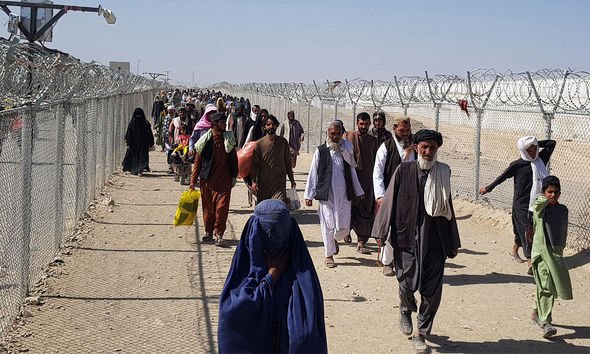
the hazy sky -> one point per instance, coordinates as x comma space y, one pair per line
302, 40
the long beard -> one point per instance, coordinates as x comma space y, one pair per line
425, 164
404, 143
335, 146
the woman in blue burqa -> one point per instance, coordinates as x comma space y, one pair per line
272, 300
140, 140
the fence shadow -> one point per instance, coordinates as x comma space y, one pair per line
490, 278
198, 289
130, 223
355, 261
471, 252
464, 217
556, 345
306, 217
578, 260
130, 250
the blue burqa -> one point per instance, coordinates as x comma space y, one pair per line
257, 316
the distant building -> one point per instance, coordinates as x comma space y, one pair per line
120, 65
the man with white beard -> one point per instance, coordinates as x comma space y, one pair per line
391, 153
333, 181
423, 232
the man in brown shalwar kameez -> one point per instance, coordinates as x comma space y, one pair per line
271, 164
365, 148
423, 232
216, 166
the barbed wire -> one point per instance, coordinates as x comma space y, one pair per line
30, 73
557, 91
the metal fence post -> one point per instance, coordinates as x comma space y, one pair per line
477, 150
480, 112
353, 114
436, 115
92, 172
59, 173
321, 121
103, 144
81, 157
308, 126
27, 176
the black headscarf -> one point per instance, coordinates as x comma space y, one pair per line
139, 138
139, 130
427, 134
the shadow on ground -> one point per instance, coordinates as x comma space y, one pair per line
578, 260
555, 345
490, 278
306, 217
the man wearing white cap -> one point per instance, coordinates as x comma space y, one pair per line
528, 173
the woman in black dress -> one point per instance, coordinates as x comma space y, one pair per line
140, 140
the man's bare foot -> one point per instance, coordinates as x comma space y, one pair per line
515, 257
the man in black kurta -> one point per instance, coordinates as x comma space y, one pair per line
522, 173
423, 232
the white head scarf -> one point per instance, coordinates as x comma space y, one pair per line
537, 165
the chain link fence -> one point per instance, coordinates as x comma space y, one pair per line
481, 116
61, 136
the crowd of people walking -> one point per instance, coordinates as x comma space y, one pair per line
383, 185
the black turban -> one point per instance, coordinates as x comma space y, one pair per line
550, 180
217, 117
427, 134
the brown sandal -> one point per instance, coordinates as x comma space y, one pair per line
330, 263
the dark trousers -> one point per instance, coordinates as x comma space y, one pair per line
522, 220
423, 274
215, 209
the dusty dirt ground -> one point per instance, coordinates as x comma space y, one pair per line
132, 283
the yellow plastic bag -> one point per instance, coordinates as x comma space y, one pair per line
187, 208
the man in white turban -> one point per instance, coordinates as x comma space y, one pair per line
528, 173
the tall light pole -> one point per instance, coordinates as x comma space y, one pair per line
33, 33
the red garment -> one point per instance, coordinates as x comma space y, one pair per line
184, 138
215, 209
216, 189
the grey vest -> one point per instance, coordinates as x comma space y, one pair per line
325, 175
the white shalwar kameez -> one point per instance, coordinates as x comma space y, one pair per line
334, 213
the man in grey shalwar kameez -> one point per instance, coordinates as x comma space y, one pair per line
423, 233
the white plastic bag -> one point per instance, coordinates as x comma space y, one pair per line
293, 199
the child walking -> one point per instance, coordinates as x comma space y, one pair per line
550, 271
